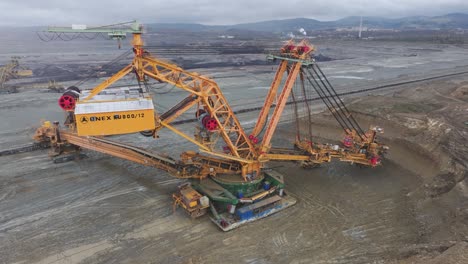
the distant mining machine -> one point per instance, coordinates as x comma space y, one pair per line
228, 176
12, 70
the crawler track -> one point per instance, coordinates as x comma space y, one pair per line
24, 148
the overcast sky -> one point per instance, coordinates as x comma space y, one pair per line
66, 12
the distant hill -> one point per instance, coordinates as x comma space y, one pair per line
449, 21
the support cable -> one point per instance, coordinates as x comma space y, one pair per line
342, 103
331, 99
306, 101
337, 106
327, 102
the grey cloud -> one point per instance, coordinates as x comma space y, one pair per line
54, 12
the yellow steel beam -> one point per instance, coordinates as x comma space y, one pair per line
280, 106
170, 81
228, 157
182, 134
213, 101
284, 157
109, 82
269, 100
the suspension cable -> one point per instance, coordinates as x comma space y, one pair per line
342, 103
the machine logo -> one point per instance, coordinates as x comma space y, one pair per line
84, 120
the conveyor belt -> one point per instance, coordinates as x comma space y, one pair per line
132, 153
177, 107
24, 148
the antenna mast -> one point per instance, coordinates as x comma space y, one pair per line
360, 28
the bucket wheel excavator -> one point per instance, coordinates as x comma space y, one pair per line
228, 176
12, 70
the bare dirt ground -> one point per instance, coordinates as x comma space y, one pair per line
425, 127
103, 209
413, 209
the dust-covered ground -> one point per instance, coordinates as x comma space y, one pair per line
413, 209
427, 130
